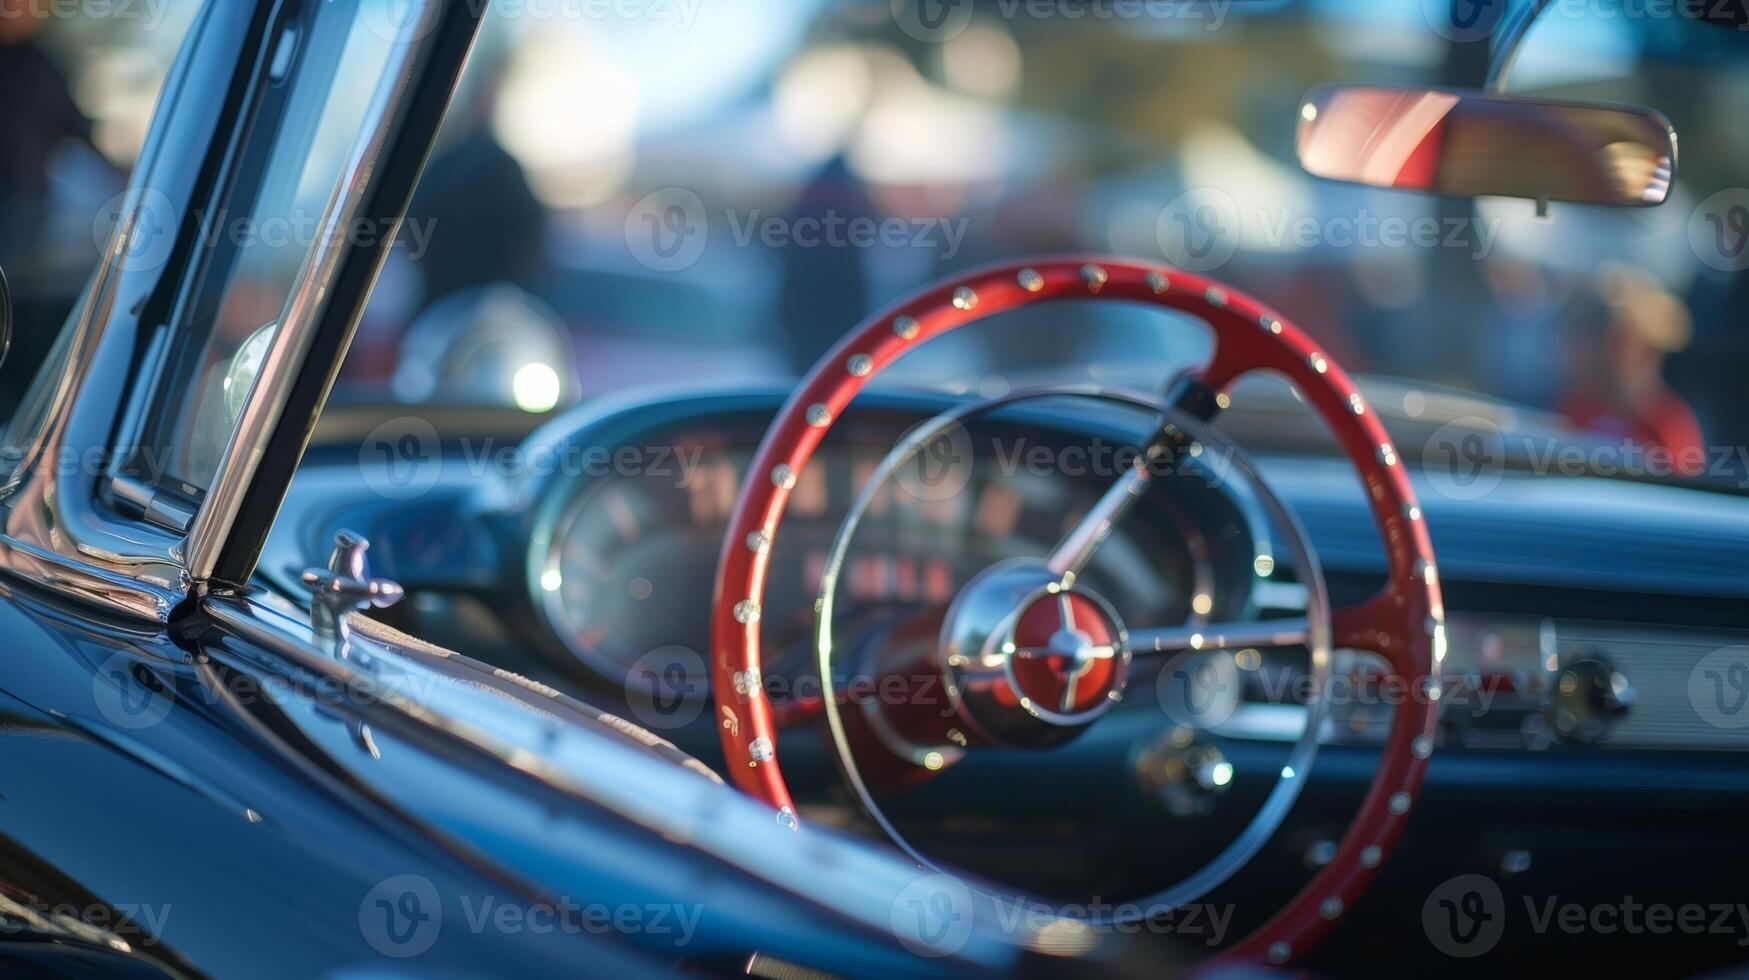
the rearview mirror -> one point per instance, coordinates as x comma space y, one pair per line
1474, 144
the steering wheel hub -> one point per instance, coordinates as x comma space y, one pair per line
1031, 661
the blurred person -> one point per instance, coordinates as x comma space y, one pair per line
1522, 360
1709, 370
1621, 338
486, 224
474, 223
824, 288
40, 116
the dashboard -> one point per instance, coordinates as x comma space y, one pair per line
623, 557
1597, 660
593, 546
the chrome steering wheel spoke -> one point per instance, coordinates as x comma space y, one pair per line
1288, 632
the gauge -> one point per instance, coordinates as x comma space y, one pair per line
630, 563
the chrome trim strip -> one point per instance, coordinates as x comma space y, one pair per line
1511, 41
285, 359
51, 531
846, 878
1221, 636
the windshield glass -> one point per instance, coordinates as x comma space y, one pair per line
328, 60
745, 181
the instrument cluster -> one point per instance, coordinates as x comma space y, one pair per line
622, 561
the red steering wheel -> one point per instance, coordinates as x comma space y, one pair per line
1404, 623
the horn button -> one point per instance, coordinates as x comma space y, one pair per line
1030, 661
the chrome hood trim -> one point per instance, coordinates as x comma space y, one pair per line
598, 760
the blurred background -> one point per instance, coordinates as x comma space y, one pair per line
708, 190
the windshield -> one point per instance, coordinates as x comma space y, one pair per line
686, 192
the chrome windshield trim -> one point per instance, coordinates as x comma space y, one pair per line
62, 521
52, 532
1510, 41
285, 360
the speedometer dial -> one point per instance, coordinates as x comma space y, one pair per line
628, 568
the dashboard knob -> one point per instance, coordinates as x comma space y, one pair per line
1589, 697
1187, 776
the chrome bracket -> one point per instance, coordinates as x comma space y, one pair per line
1513, 31
345, 586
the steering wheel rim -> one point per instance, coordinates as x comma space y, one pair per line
1404, 622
